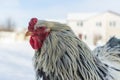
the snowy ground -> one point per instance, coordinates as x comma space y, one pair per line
16, 61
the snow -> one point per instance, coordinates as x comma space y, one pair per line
16, 61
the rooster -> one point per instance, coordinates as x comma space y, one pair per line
60, 55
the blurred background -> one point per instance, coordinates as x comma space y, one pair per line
93, 21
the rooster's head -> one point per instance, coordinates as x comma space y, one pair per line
37, 33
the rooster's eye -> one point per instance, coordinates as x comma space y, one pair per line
40, 27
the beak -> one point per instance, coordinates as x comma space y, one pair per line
28, 33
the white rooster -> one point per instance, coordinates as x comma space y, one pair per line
60, 55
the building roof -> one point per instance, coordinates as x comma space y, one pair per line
118, 14
85, 16
79, 16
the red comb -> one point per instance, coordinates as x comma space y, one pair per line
32, 23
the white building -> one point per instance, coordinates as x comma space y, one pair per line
11, 36
7, 36
95, 27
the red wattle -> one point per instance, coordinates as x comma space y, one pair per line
35, 43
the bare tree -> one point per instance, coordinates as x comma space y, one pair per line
10, 24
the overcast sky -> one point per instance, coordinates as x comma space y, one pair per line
20, 11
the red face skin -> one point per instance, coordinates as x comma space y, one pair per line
38, 35
37, 38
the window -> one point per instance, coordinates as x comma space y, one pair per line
112, 23
98, 24
80, 23
85, 37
